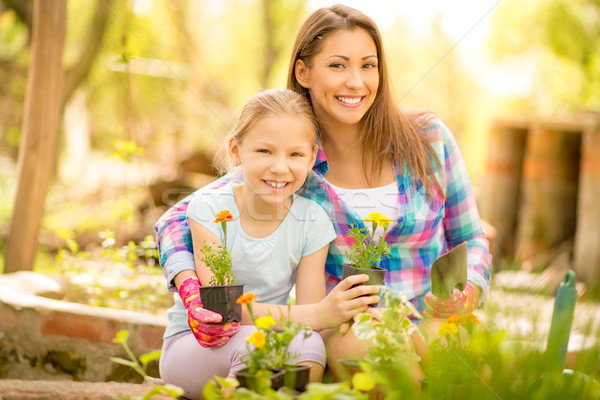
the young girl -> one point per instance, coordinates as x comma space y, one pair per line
277, 239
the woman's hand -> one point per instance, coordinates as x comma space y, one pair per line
459, 302
344, 301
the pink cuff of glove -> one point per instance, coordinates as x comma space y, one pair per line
188, 291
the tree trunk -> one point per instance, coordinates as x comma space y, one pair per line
41, 121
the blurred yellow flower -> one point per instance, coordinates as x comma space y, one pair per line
257, 339
446, 329
265, 322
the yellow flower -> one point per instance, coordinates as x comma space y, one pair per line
224, 216
446, 329
468, 319
379, 219
265, 322
453, 319
247, 298
257, 339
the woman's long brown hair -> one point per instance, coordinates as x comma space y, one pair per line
388, 132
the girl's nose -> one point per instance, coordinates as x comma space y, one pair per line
279, 165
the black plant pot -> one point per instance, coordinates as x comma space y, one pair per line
250, 381
296, 377
376, 275
222, 300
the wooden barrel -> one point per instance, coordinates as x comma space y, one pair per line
501, 185
587, 236
548, 203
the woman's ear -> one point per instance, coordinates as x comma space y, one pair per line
234, 151
302, 73
313, 157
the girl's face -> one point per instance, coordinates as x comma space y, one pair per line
275, 155
343, 77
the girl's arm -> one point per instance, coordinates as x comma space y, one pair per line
340, 305
310, 277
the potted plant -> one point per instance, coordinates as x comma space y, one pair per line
364, 253
270, 352
222, 293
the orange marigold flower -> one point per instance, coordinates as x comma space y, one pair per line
224, 216
247, 298
453, 319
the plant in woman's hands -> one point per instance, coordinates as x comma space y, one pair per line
364, 251
218, 259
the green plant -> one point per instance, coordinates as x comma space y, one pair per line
218, 259
140, 367
363, 250
271, 341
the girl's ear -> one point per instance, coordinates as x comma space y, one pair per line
234, 151
302, 74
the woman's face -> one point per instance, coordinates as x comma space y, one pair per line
343, 77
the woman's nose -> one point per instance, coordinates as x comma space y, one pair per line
354, 80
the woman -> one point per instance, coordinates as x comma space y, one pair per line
372, 157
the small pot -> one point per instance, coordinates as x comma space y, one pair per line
222, 300
250, 381
296, 377
376, 275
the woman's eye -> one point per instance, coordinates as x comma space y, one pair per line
337, 65
370, 65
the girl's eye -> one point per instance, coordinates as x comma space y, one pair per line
264, 151
296, 154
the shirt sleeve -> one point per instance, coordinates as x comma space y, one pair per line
174, 239
320, 232
461, 220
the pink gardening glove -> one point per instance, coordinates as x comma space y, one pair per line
459, 303
204, 323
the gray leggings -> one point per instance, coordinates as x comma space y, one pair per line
185, 363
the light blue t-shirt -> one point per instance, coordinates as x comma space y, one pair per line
266, 266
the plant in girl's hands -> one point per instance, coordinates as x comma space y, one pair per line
450, 330
218, 259
363, 250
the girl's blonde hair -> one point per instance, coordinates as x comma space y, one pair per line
268, 103
388, 132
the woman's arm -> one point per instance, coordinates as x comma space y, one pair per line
461, 221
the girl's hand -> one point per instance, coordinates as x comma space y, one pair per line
459, 303
344, 301
204, 323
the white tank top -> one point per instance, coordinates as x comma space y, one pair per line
383, 199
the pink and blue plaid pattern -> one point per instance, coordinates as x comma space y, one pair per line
426, 229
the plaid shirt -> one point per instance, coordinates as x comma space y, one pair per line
426, 229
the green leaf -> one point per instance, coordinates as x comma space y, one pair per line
172, 390
150, 356
122, 361
121, 337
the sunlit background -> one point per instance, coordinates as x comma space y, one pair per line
166, 79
